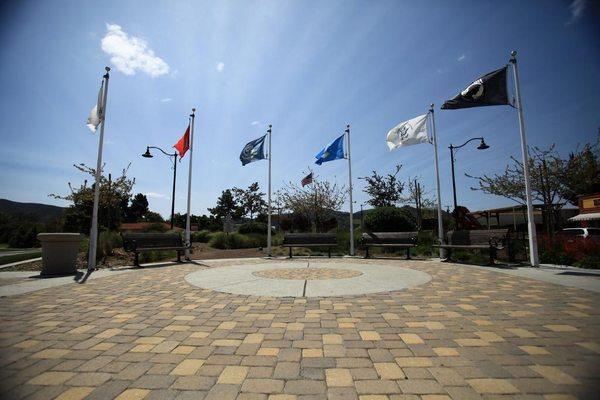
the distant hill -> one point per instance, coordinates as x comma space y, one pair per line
44, 212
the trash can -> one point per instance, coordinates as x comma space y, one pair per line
59, 253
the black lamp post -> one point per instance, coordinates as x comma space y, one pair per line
174, 155
482, 146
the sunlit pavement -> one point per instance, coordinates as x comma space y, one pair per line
462, 333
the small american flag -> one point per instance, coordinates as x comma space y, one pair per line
308, 179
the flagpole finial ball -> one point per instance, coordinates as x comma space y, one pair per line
513, 53
193, 110
107, 69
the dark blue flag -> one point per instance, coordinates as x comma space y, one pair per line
334, 151
253, 151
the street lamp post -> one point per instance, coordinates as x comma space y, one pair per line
147, 154
482, 146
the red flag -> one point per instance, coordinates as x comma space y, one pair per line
183, 145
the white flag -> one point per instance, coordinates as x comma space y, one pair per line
97, 112
407, 133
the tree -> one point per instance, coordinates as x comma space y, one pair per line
314, 203
226, 205
138, 208
582, 172
547, 170
250, 201
389, 219
112, 208
152, 216
385, 191
417, 196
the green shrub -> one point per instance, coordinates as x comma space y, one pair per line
157, 255
223, 240
107, 241
253, 227
424, 243
24, 237
389, 219
201, 236
157, 227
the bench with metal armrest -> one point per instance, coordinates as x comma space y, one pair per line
140, 242
491, 240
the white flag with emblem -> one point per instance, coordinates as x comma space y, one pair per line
407, 133
97, 113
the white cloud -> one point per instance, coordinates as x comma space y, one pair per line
461, 58
166, 100
154, 195
220, 66
130, 54
576, 7
255, 123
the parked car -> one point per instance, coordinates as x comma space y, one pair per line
591, 233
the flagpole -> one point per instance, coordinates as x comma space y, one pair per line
350, 189
189, 196
437, 177
533, 250
94, 230
269, 198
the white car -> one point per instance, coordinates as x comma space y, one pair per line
581, 232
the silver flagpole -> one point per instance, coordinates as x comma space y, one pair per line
188, 241
269, 206
533, 250
437, 177
350, 189
94, 229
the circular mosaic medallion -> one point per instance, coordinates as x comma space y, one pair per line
299, 279
308, 274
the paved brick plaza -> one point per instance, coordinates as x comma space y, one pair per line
469, 333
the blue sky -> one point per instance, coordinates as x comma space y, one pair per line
307, 67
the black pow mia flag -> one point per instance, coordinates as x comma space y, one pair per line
253, 151
488, 90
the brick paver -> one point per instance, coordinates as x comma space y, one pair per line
466, 334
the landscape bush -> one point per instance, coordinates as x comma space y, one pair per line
222, 240
157, 227
201, 236
157, 255
575, 251
389, 219
24, 236
253, 227
107, 241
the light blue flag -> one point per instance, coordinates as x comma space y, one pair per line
334, 151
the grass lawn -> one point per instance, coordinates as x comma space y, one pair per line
35, 253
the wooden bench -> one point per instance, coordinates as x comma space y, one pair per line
491, 240
404, 240
139, 242
328, 240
